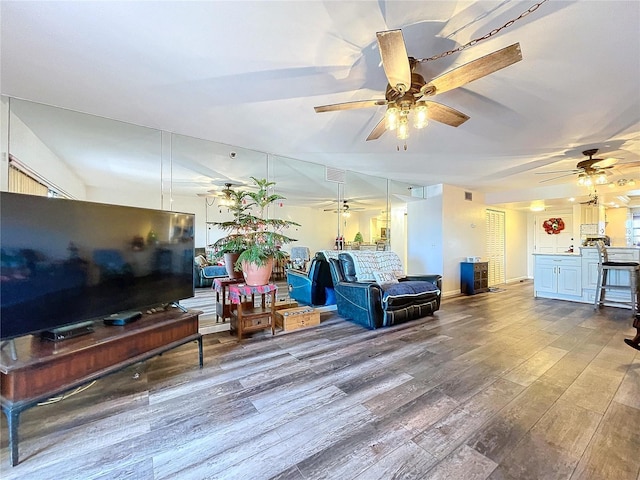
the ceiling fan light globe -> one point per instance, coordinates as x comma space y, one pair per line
403, 129
391, 118
420, 119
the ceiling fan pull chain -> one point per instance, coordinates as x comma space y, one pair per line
471, 43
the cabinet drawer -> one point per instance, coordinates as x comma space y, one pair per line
480, 267
559, 260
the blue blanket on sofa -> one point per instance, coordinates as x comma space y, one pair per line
406, 289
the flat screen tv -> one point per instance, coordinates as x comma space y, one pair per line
68, 261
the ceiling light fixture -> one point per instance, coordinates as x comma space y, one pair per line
590, 179
623, 182
397, 117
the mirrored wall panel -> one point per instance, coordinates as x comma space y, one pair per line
86, 157
365, 212
91, 158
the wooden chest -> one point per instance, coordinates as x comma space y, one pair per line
294, 318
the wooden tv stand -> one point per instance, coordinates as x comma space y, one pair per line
44, 368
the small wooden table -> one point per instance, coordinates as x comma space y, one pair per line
223, 309
245, 320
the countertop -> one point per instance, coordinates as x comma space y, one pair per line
566, 254
578, 254
613, 248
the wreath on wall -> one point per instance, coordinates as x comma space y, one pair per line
553, 226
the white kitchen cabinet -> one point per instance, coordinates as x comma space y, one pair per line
593, 215
558, 276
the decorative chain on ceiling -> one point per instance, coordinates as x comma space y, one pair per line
485, 36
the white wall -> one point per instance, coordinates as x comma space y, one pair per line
398, 240
516, 254
465, 231
425, 235
445, 228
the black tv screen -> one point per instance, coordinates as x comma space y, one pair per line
67, 261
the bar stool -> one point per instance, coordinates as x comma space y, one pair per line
604, 267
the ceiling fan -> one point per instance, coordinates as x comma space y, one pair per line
407, 89
224, 193
344, 208
590, 171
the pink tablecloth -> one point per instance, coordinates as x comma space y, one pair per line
219, 282
238, 290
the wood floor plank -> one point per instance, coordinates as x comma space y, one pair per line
503, 432
406, 462
567, 427
613, 452
356, 451
530, 370
464, 462
452, 430
495, 385
629, 391
595, 387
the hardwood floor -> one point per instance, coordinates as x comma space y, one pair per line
498, 385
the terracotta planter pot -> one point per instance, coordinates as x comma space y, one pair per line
257, 275
229, 261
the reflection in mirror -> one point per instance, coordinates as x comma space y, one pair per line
91, 158
86, 157
365, 210
201, 171
399, 195
309, 200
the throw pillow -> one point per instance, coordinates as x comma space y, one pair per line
200, 261
384, 277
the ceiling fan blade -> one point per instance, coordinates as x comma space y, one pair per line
444, 114
604, 163
555, 178
395, 59
377, 131
624, 166
350, 105
557, 171
477, 68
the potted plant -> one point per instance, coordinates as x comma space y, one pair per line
358, 239
257, 237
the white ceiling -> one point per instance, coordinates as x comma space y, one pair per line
249, 73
